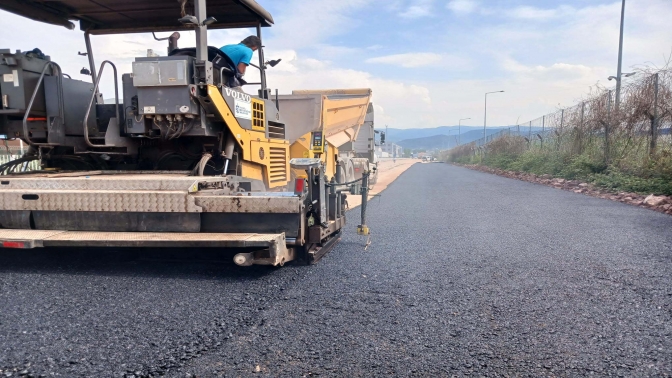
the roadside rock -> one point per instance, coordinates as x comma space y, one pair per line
652, 200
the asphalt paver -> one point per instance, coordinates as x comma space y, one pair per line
467, 274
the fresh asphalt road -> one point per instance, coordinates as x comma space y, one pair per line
467, 274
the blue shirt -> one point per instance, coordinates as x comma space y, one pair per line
238, 53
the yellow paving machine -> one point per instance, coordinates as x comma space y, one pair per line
180, 157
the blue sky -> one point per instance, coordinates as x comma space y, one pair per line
429, 62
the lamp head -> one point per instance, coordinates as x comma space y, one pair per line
209, 21
188, 20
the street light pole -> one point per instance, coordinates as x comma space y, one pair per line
485, 117
620, 59
459, 132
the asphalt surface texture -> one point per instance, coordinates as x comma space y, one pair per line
467, 274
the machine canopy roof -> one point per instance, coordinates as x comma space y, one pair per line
133, 16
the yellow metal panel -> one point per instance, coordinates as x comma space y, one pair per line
242, 136
278, 172
330, 161
339, 115
274, 158
260, 155
258, 115
252, 171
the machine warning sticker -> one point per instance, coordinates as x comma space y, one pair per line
149, 109
7, 78
243, 109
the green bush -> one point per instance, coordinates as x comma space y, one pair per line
538, 162
616, 180
502, 161
656, 178
581, 167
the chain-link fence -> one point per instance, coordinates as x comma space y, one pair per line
630, 132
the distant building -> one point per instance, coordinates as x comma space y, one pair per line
390, 150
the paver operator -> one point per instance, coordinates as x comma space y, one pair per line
241, 53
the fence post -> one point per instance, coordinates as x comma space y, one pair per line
529, 134
654, 121
583, 108
562, 118
543, 129
607, 126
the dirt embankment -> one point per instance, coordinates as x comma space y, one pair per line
661, 204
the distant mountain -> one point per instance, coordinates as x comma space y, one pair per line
443, 142
395, 135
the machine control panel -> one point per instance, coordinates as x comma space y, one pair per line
317, 142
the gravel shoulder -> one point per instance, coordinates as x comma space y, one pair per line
388, 171
468, 274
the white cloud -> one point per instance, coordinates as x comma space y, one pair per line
408, 60
462, 6
422, 59
387, 94
306, 23
516, 67
533, 13
415, 11
418, 9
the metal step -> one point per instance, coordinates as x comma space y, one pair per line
102, 180
44, 238
141, 192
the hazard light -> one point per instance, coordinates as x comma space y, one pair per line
13, 244
299, 186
